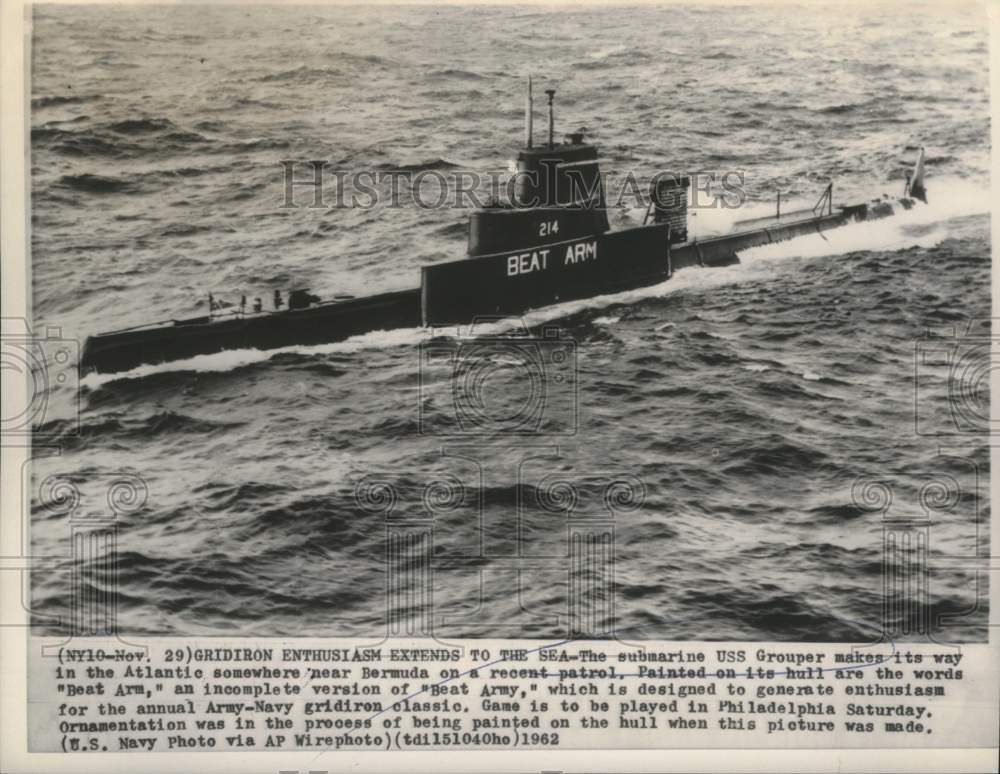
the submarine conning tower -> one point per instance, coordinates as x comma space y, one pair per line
556, 195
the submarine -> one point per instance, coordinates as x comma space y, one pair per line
550, 243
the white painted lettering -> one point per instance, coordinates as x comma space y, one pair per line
526, 263
581, 251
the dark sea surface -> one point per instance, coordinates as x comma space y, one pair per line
753, 402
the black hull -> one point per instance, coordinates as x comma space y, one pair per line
321, 324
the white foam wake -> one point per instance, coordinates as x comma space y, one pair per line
238, 358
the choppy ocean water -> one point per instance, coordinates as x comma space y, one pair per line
753, 403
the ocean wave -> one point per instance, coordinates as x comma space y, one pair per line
306, 73
185, 229
141, 125
776, 613
448, 95
456, 73
328, 517
419, 166
119, 428
774, 456
119, 139
86, 144
225, 496
454, 230
212, 126
626, 57
301, 73
724, 55
38, 103
171, 423
96, 184
256, 144
843, 108
180, 138
836, 513
189, 171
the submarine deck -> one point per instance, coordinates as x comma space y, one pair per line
320, 323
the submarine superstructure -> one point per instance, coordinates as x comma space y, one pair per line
551, 243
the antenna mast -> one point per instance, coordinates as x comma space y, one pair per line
528, 110
552, 94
